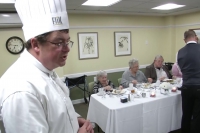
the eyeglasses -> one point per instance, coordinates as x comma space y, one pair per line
62, 44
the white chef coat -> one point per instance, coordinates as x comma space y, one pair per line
34, 100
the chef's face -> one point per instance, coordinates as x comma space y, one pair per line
53, 55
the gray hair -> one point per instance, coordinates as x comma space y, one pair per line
101, 73
133, 62
158, 57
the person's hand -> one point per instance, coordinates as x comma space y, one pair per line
81, 121
105, 83
174, 77
121, 87
134, 81
162, 78
150, 80
108, 87
86, 128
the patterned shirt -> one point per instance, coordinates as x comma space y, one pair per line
98, 85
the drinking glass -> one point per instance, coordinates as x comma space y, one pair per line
118, 91
132, 93
110, 92
138, 85
102, 92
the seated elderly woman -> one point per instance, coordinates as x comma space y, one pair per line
102, 82
132, 75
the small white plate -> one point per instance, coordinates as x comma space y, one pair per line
122, 92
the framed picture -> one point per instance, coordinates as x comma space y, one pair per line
197, 31
122, 43
88, 45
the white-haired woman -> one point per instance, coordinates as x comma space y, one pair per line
102, 82
132, 75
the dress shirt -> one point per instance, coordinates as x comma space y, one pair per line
161, 73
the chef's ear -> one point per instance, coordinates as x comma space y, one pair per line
35, 46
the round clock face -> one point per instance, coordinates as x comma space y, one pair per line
15, 45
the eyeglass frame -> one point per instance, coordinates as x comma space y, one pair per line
62, 43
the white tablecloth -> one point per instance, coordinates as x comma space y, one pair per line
161, 114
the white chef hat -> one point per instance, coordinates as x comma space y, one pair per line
41, 16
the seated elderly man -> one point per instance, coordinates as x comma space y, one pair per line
102, 82
157, 71
132, 75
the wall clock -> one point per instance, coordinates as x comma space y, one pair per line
15, 45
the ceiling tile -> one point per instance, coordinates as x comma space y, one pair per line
126, 4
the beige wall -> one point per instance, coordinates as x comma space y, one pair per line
185, 22
162, 36
6, 59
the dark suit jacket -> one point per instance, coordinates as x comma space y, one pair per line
150, 72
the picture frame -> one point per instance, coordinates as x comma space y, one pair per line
123, 46
88, 45
197, 31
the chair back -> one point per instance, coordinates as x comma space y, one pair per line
79, 82
90, 87
73, 82
169, 65
119, 81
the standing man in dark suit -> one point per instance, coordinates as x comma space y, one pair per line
189, 63
157, 71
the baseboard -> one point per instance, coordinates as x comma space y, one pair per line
77, 101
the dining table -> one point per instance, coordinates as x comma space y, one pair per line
159, 114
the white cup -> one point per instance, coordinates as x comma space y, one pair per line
130, 86
101, 91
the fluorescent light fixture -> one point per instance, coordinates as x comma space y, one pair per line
100, 2
5, 15
168, 6
7, 1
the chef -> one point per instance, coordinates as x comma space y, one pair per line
33, 99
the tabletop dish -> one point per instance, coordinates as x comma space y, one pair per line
118, 91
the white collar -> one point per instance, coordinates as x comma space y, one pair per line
191, 42
159, 69
31, 59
